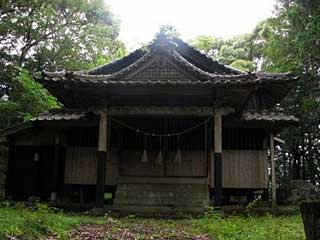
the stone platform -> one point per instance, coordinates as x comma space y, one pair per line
161, 195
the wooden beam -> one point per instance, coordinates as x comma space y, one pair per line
273, 171
101, 162
217, 160
155, 110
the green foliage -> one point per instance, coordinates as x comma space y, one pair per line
58, 34
28, 99
251, 206
251, 227
28, 223
289, 41
168, 31
50, 35
243, 65
235, 51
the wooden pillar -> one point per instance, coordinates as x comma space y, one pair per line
209, 147
273, 171
217, 160
101, 162
56, 156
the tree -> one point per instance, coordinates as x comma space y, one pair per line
55, 34
290, 42
168, 31
28, 99
235, 51
50, 35
243, 65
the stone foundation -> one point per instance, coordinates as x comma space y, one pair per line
3, 168
143, 194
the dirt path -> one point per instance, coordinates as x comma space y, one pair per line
134, 229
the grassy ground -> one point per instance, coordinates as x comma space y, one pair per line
21, 223
253, 227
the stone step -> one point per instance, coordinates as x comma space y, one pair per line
163, 180
161, 202
144, 194
157, 201
163, 187
161, 193
139, 210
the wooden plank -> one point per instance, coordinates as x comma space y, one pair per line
245, 169
35, 137
81, 162
193, 164
80, 165
241, 168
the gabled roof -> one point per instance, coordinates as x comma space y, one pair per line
168, 65
188, 66
186, 51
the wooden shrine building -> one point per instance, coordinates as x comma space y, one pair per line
163, 128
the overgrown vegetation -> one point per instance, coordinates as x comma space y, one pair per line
250, 227
41, 221
32, 223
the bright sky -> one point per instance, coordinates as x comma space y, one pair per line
141, 19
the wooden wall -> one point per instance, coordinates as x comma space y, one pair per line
81, 166
244, 169
241, 168
34, 137
193, 164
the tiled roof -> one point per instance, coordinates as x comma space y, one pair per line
79, 78
166, 64
61, 114
182, 48
65, 114
268, 116
73, 114
201, 69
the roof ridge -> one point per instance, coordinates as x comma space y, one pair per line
140, 52
172, 42
179, 41
172, 53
